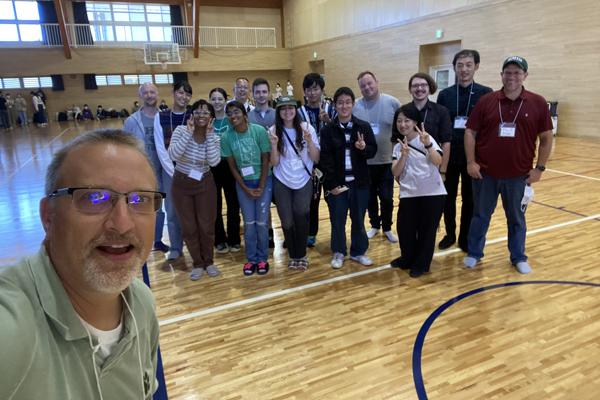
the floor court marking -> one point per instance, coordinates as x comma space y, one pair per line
284, 292
420, 340
572, 174
34, 156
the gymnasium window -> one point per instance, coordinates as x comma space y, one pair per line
133, 79
19, 21
33, 82
123, 22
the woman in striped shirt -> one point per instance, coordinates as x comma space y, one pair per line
194, 149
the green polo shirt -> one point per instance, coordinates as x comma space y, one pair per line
45, 350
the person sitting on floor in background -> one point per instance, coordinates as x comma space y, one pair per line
100, 113
163, 106
86, 113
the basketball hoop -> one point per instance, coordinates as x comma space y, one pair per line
161, 54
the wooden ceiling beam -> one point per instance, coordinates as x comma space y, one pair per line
60, 15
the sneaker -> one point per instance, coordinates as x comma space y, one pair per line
173, 255
234, 248
293, 264
262, 268
390, 236
470, 262
311, 240
446, 242
398, 263
249, 268
337, 261
160, 246
222, 248
212, 271
415, 273
372, 232
303, 264
362, 259
523, 267
196, 274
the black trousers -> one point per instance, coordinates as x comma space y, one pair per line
382, 188
315, 200
417, 222
454, 172
224, 181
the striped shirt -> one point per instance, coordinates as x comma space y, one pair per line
190, 155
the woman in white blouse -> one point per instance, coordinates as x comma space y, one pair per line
294, 149
416, 159
194, 149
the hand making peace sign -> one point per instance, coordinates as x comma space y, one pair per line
423, 135
360, 143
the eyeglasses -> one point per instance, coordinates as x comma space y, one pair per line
236, 111
100, 201
419, 85
312, 89
201, 113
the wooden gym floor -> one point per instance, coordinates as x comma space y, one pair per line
371, 333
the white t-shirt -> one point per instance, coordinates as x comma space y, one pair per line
290, 170
420, 176
106, 339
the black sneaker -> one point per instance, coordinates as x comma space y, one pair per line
415, 273
398, 263
160, 246
222, 248
446, 242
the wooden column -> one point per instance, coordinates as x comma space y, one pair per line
58, 6
196, 26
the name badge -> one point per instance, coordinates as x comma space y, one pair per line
507, 129
375, 127
247, 171
460, 122
195, 174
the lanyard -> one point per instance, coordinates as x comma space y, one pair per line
171, 120
468, 103
518, 111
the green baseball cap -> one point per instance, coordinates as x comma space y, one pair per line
518, 61
286, 101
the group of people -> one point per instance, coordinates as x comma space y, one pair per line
352, 150
78, 324
13, 111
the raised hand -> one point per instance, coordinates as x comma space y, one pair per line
404, 149
307, 136
360, 143
323, 116
190, 125
273, 139
423, 135
210, 129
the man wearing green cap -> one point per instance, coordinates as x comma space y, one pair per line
500, 139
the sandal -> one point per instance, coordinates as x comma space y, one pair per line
262, 268
249, 269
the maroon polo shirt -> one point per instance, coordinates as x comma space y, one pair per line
508, 157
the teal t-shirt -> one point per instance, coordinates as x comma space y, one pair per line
221, 125
246, 148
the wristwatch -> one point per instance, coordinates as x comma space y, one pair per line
540, 167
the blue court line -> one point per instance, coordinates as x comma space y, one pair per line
418, 347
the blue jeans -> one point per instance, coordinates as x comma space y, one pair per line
256, 216
158, 172
173, 226
485, 198
355, 199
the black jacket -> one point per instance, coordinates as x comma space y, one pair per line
333, 147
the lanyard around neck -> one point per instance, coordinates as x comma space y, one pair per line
516, 116
468, 103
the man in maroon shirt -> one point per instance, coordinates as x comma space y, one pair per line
500, 143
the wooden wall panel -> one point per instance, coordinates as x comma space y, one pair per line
559, 41
119, 97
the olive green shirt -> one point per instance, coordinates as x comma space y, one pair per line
45, 350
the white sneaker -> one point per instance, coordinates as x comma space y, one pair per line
523, 267
337, 261
372, 232
363, 259
390, 236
